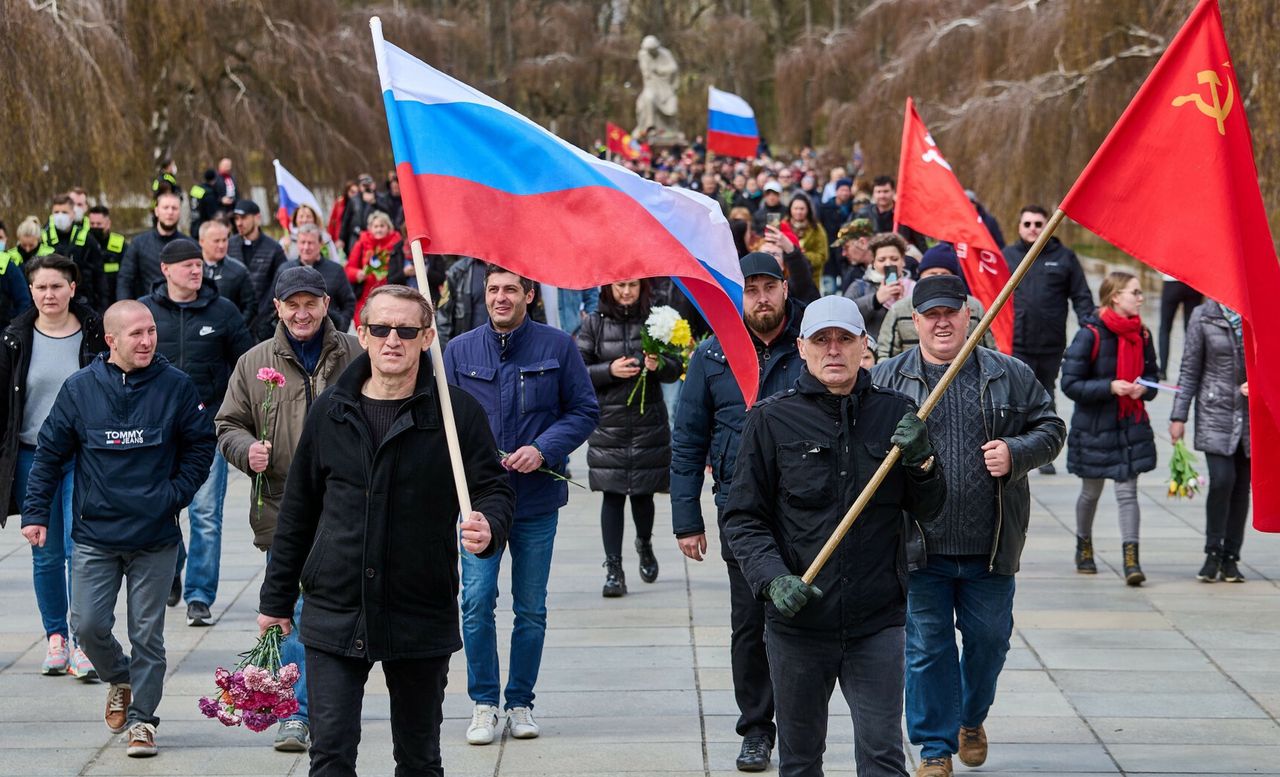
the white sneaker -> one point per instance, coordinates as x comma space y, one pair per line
484, 722
523, 726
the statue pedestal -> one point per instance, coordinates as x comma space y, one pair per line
664, 139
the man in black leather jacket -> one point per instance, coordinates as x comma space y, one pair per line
994, 424
805, 456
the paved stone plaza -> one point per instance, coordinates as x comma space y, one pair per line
1176, 677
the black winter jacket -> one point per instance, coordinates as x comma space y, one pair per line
15, 360
629, 452
1100, 444
142, 443
140, 267
203, 339
1040, 301
805, 456
710, 417
371, 533
263, 261
1211, 373
1016, 409
231, 278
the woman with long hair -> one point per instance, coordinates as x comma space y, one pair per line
629, 453
305, 214
1213, 375
39, 350
1111, 436
813, 238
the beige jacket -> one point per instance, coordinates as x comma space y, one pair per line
241, 418
898, 332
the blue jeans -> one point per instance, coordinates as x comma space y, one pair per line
292, 652
530, 543
50, 565
946, 689
205, 555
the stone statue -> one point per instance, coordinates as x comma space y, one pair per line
656, 105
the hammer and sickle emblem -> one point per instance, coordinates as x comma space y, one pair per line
1217, 111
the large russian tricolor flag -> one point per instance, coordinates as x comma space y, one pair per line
292, 194
731, 125
479, 179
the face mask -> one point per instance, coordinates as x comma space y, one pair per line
2, 245
62, 221
100, 235
78, 212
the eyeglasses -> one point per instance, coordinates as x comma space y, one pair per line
1033, 224
404, 332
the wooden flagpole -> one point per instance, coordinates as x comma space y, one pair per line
934, 396
442, 388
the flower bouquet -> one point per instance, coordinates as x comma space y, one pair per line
664, 333
258, 692
1184, 482
272, 379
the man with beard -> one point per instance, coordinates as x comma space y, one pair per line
112, 243
709, 421
70, 237
140, 267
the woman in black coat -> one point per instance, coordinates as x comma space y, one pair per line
1213, 375
1111, 437
38, 350
629, 453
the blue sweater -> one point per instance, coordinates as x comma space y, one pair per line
535, 390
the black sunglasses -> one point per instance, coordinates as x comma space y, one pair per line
1030, 224
384, 330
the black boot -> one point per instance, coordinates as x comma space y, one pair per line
648, 562
1085, 564
1132, 572
615, 580
1212, 565
1230, 571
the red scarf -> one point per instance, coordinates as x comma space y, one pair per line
1130, 358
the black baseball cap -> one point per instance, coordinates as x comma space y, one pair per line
760, 263
300, 279
939, 291
246, 208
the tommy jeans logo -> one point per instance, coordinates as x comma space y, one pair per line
127, 437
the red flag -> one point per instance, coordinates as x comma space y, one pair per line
619, 142
1175, 185
932, 201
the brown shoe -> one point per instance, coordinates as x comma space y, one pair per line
119, 696
973, 746
938, 766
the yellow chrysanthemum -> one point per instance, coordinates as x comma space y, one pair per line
681, 334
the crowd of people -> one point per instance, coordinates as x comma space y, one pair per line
136, 369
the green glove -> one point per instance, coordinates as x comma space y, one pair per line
789, 593
913, 439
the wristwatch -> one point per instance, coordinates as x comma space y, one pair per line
926, 466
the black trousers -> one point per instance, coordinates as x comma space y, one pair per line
335, 690
1227, 505
1173, 294
1045, 366
752, 688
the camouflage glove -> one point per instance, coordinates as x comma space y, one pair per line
912, 437
789, 593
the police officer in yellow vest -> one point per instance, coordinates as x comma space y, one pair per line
113, 245
204, 201
166, 180
15, 295
73, 241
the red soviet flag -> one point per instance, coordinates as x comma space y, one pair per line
1175, 185
618, 141
932, 201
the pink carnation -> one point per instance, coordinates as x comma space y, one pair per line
288, 675
270, 376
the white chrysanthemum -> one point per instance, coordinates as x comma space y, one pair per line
662, 323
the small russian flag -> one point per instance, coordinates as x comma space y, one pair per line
292, 194
731, 125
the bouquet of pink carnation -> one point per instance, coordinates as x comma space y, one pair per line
259, 691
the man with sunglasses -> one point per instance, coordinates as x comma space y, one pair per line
1040, 302
369, 528
533, 385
